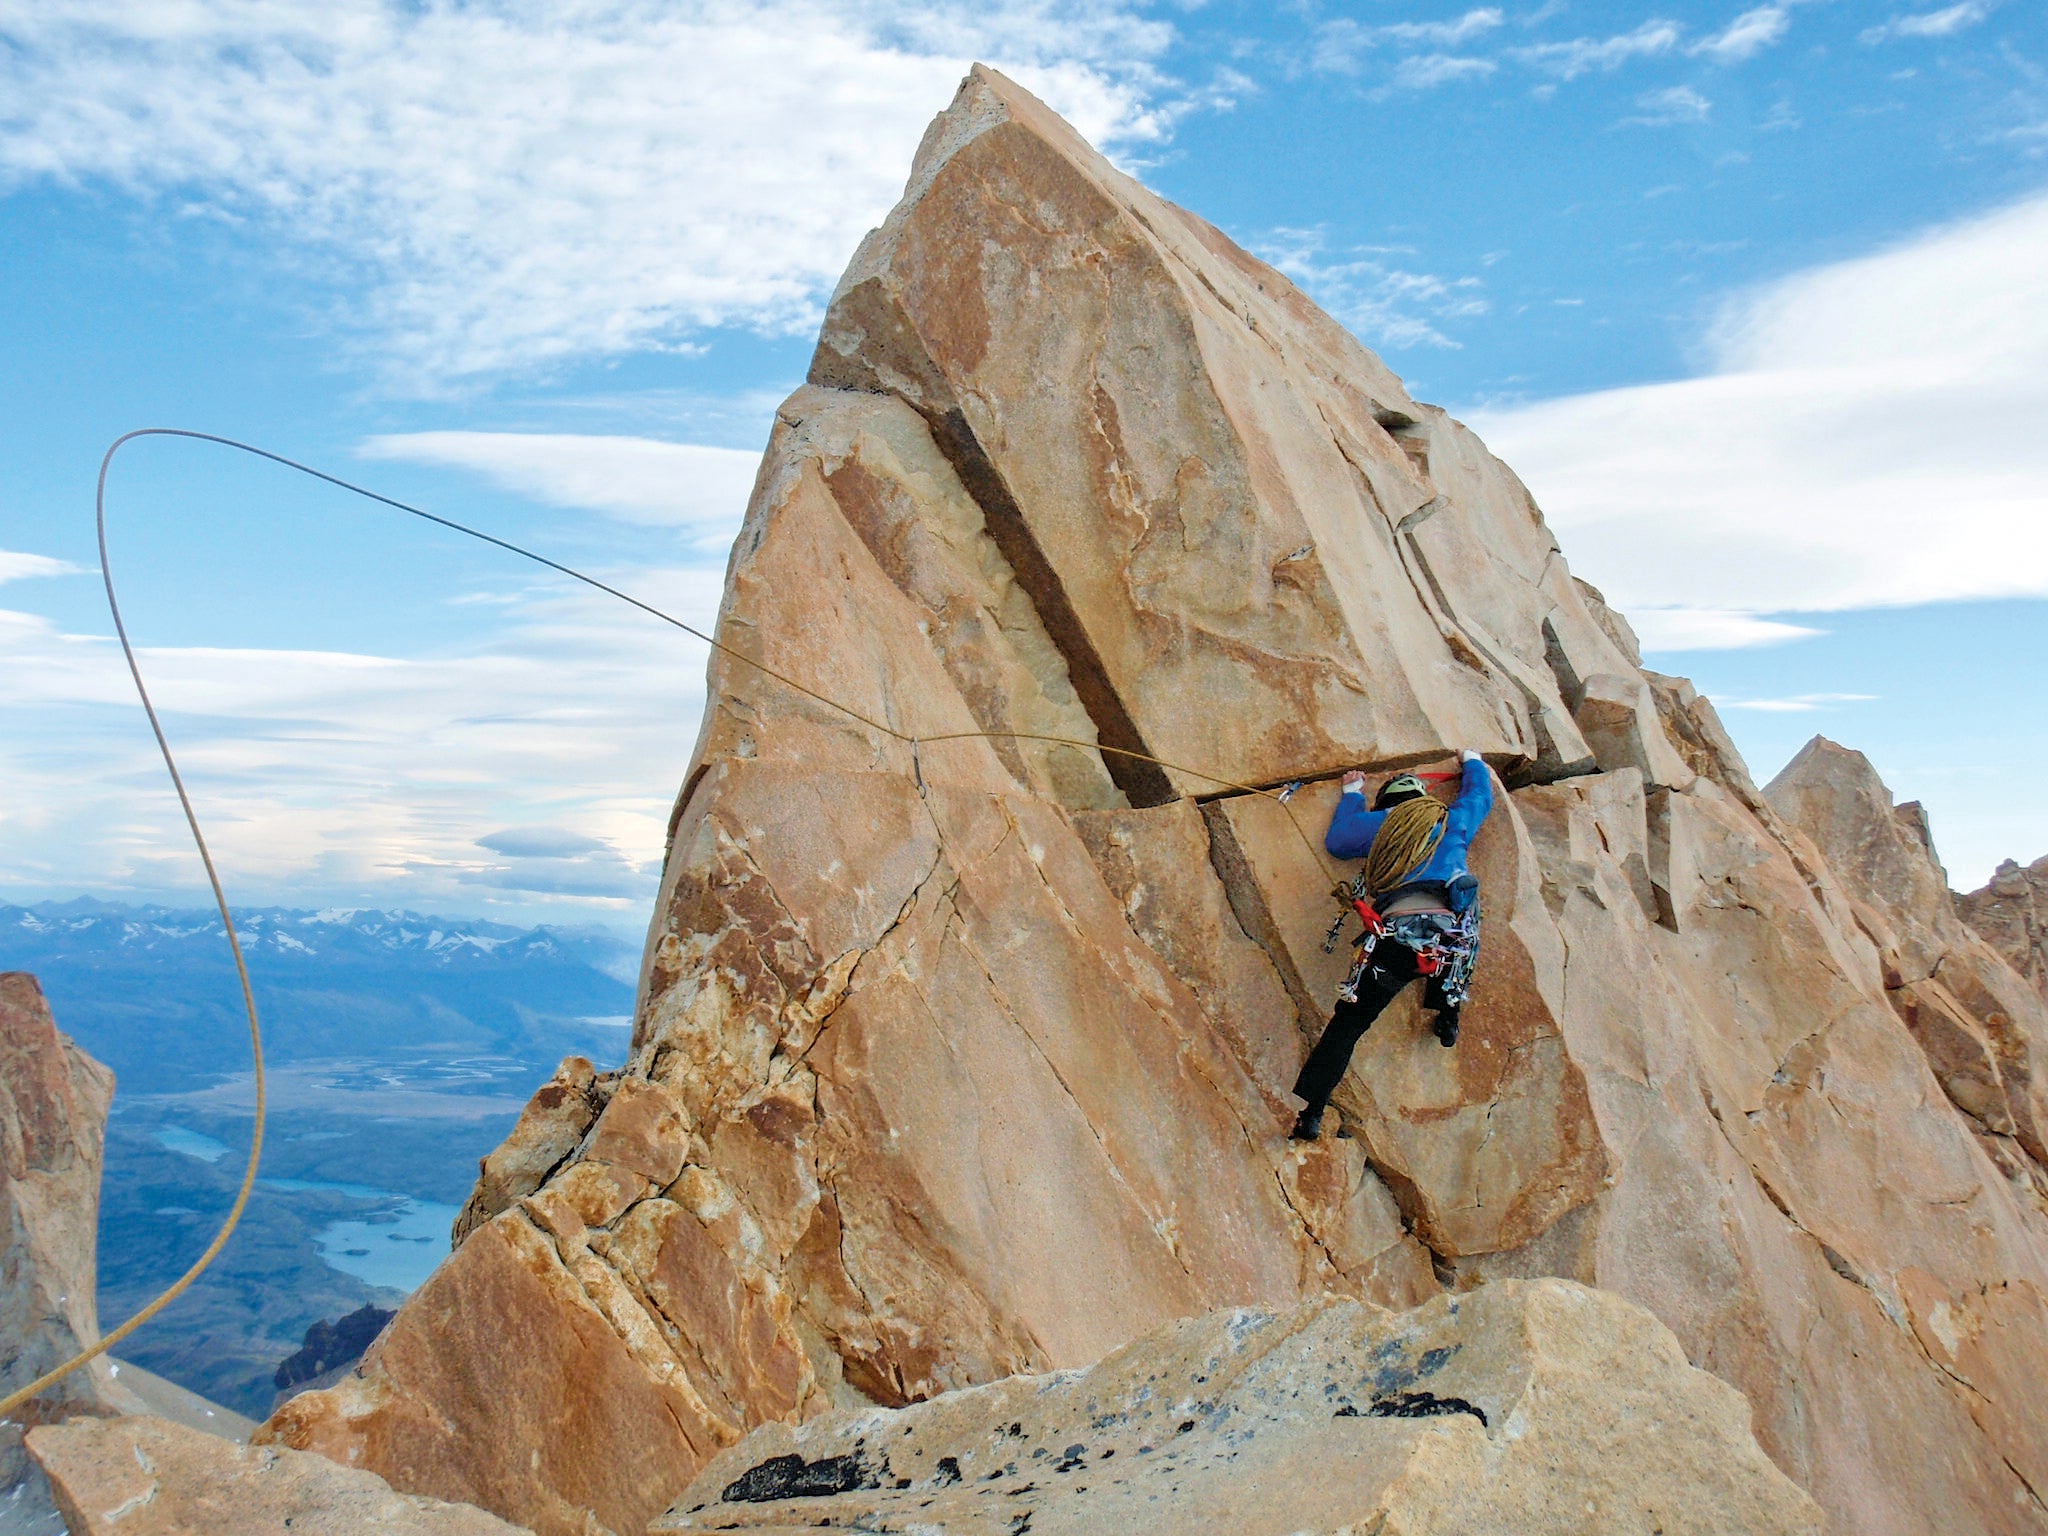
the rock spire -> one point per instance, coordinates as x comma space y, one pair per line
965, 1058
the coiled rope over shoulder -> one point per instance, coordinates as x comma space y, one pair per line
1404, 843
107, 1341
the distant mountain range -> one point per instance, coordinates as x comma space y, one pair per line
336, 934
401, 1047
127, 981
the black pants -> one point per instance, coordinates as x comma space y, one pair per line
1393, 967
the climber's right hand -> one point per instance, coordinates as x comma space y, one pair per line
1354, 783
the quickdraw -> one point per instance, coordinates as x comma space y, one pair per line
1351, 898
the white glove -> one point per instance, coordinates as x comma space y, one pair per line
1469, 756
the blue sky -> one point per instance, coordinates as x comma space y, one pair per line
1755, 298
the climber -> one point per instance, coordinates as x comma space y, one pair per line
1420, 907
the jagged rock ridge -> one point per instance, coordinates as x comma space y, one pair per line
970, 1059
1970, 1011
2012, 914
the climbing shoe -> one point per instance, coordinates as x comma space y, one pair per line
1447, 1029
1308, 1125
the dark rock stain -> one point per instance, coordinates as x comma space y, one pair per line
791, 1477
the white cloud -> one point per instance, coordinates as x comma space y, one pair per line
541, 843
1747, 35
639, 479
532, 771
1710, 629
1581, 55
509, 183
1423, 70
1385, 306
556, 861
1340, 45
17, 566
1443, 34
1797, 704
1675, 104
1869, 434
1928, 23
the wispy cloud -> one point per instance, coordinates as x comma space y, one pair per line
1797, 704
1940, 23
1385, 305
1340, 46
1747, 35
532, 771
542, 843
501, 185
1443, 34
1869, 433
15, 565
1421, 71
554, 861
700, 490
1675, 104
1577, 56
1711, 629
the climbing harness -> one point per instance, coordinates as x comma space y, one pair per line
1446, 944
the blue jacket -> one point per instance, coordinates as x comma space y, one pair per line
1353, 827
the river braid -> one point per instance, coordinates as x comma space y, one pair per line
1406, 839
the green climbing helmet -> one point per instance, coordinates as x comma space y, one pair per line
1402, 786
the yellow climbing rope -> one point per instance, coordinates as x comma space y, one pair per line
15, 1400
1403, 843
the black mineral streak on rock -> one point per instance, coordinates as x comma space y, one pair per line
1414, 1405
791, 1477
948, 1471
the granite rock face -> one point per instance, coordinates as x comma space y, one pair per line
143, 1476
549, 1129
1982, 1027
53, 1117
969, 1056
2012, 915
1527, 1407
